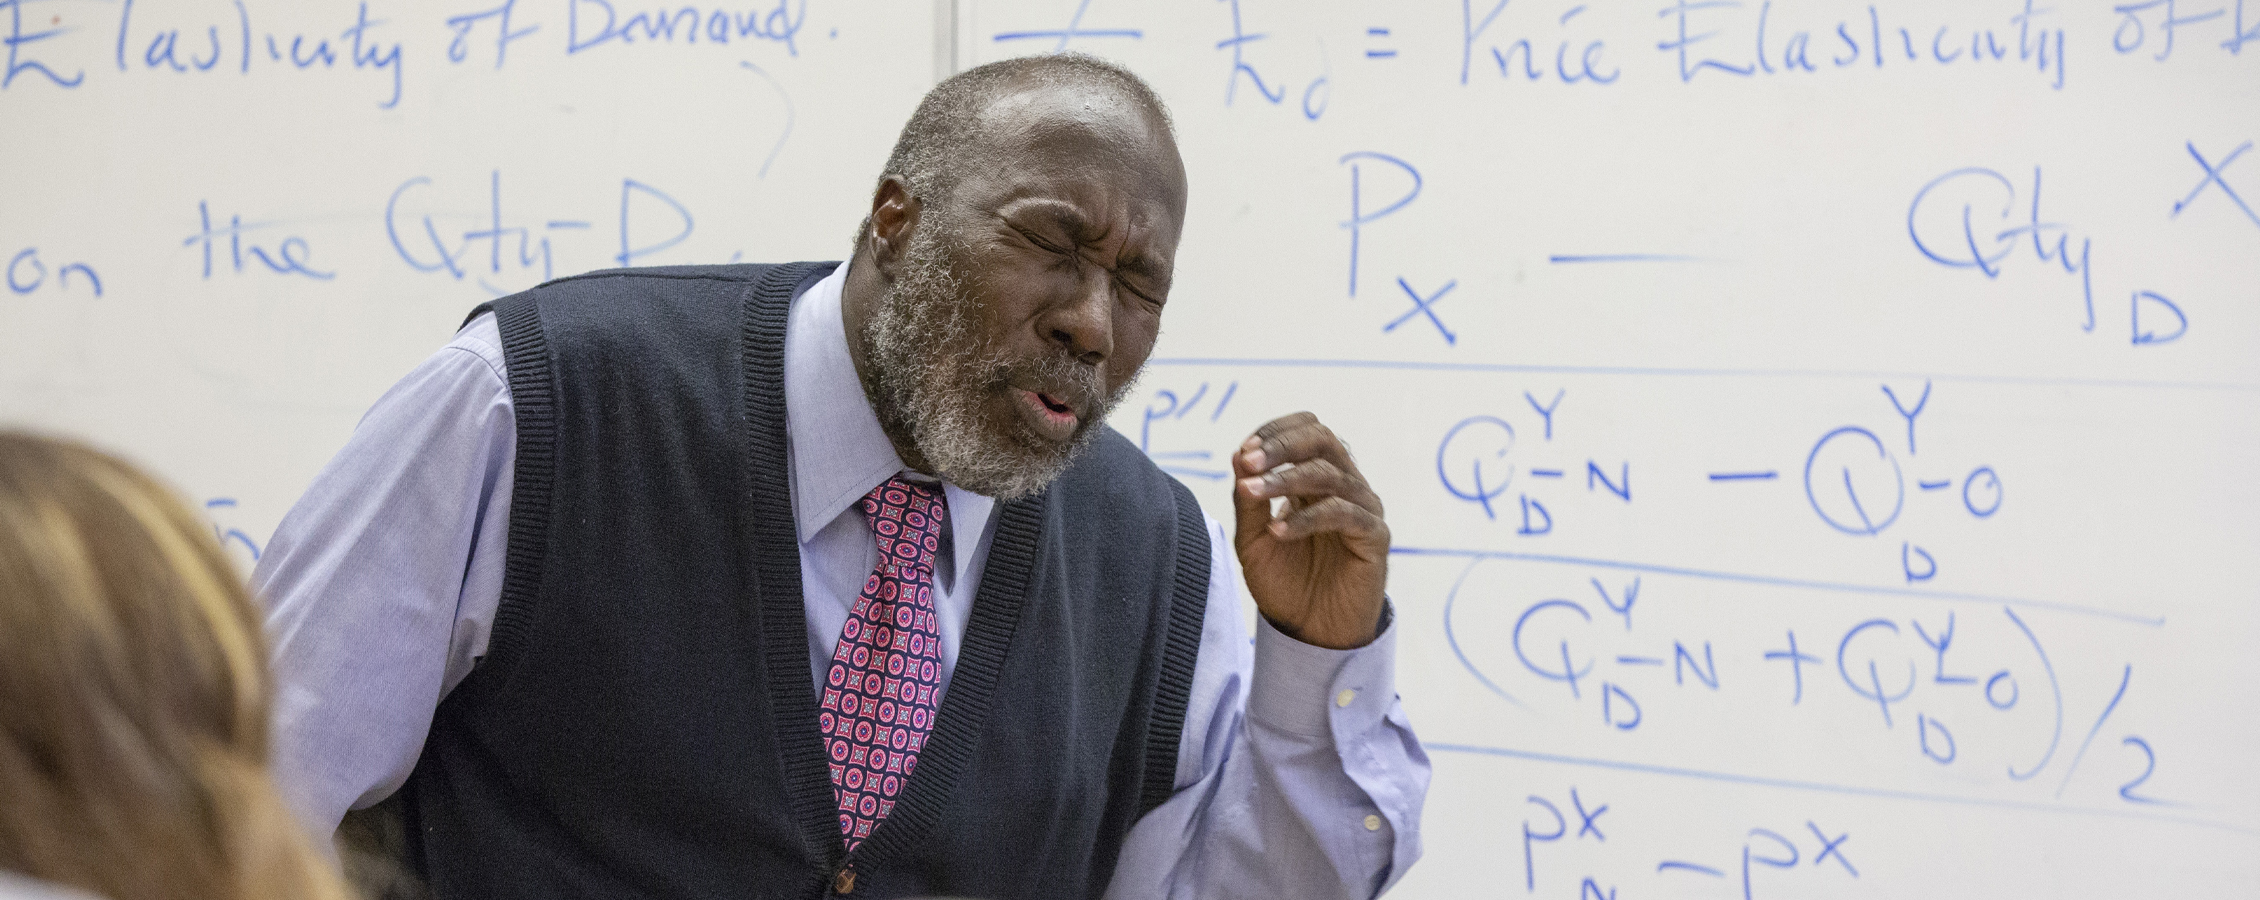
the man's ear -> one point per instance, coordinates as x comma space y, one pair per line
894, 217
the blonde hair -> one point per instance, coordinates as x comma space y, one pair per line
133, 694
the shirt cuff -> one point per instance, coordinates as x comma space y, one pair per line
1317, 692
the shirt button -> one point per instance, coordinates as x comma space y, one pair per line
844, 881
1373, 823
1344, 698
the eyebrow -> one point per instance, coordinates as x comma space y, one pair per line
1144, 265
1081, 229
1059, 215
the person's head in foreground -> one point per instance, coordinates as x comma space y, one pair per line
133, 695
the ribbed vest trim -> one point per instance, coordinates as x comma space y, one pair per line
533, 399
1180, 653
965, 708
776, 562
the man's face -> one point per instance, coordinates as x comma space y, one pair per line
1023, 306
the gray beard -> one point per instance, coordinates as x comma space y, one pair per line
931, 373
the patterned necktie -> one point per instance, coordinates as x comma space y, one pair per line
879, 692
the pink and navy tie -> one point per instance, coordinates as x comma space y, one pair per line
879, 691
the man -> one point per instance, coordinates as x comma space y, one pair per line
794, 580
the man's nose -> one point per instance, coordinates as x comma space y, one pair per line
1082, 321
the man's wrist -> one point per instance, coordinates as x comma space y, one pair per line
1299, 687
1381, 625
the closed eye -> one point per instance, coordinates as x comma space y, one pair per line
1135, 290
1043, 243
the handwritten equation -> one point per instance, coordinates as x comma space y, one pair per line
1922, 690
1568, 817
59, 44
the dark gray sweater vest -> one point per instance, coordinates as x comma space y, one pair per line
643, 724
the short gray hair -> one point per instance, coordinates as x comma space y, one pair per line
942, 141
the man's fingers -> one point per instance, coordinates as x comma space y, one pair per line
1250, 508
1332, 515
1295, 438
1298, 458
1314, 479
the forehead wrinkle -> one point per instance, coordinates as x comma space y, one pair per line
1087, 200
1080, 153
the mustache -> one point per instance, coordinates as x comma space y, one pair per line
1066, 379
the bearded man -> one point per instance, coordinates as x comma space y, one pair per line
821, 579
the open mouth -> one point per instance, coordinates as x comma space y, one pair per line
1053, 416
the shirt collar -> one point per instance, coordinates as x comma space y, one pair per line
827, 415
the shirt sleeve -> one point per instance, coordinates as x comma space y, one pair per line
1298, 774
382, 582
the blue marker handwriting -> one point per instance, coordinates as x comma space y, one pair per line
590, 24
1075, 29
1425, 305
21, 53
467, 24
1973, 218
1855, 483
28, 273
1172, 408
2213, 180
1733, 39
1476, 463
1771, 849
226, 249
514, 247
1980, 696
1575, 817
1314, 93
1365, 211
234, 45
1548, 821
2151, 26
1517, 58
230, 537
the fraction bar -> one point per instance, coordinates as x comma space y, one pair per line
1618, 258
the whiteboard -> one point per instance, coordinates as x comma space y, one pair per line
1818, 436
1612, 328
287, 205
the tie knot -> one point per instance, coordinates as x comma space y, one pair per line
906, 519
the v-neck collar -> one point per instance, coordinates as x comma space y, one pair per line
781, 631
828, 416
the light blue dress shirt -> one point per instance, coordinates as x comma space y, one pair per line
14, 886
1298, 774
